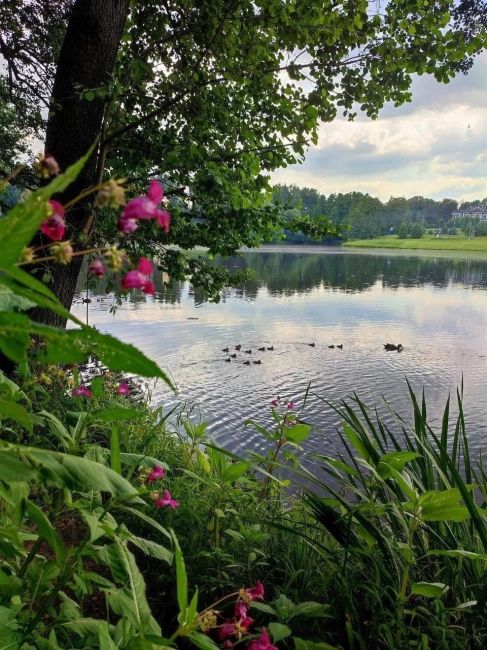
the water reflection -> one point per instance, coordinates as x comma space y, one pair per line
435, 306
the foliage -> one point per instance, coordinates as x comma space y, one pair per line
221, 94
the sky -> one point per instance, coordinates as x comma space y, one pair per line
435, 146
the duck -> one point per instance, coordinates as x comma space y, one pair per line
332, 347
234, 355
258, 362
246, 363
311, 345
261, 349
340, 346
271, 348
238, 347
248, 351
229, 360
225, 350
390, 347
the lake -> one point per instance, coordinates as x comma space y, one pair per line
434, 305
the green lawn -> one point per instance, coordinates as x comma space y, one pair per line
428, 242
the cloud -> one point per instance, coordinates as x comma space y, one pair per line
435, 146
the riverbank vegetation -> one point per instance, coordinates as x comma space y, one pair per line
124, 526
364, 217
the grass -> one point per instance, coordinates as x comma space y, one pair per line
428, 242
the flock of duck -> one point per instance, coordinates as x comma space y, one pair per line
389, 347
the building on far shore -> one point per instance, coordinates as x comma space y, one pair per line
475, 212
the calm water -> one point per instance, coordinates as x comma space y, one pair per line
435, 306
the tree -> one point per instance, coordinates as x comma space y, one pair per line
211, 96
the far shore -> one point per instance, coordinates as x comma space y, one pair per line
428, 242
372, 247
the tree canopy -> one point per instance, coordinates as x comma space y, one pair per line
212, 96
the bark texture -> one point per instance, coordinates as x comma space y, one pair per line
86, 61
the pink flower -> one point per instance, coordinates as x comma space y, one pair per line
254, 593
290, 406
149, 288
241, 609
54, 226
227, 629
227, 645
134, 280
155, 474
126, 225
97, 268
48, 166
166, 500
262, 643
145, 207
81, 391
242, 627
145, 266
275, 402
123, 389
163, 218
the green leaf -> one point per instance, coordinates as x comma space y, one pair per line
469, 555
115, 413
279, 631
395, 460
297, 433
443, 506
429, 589
97, 386
356, 441
153, 549
115, 458
181, 579
202, 641
64, 470
46, 530
235, 471
12, 411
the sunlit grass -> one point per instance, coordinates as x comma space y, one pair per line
428, 242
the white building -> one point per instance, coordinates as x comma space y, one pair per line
475, 212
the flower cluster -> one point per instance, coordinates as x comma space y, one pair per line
279, 403
111, 193
239, 624
262, 643
161, 500
83, 391
145, 207
139, 277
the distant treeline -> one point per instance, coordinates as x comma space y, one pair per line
366, 215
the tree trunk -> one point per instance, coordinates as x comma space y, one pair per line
86, 61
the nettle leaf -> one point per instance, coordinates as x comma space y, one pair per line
279, 631
235, 471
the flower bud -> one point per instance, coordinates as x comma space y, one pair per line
62, 252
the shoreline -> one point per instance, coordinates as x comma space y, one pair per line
368, 250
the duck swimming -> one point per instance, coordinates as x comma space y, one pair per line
261, 349
246, 363
271, 348
390, 347
234, 356
340, 347
258, 362
311, 345
248, 351
332, 347
238, 347
225, 350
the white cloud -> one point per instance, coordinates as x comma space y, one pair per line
435, 146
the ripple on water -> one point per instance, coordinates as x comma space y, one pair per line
441, 322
